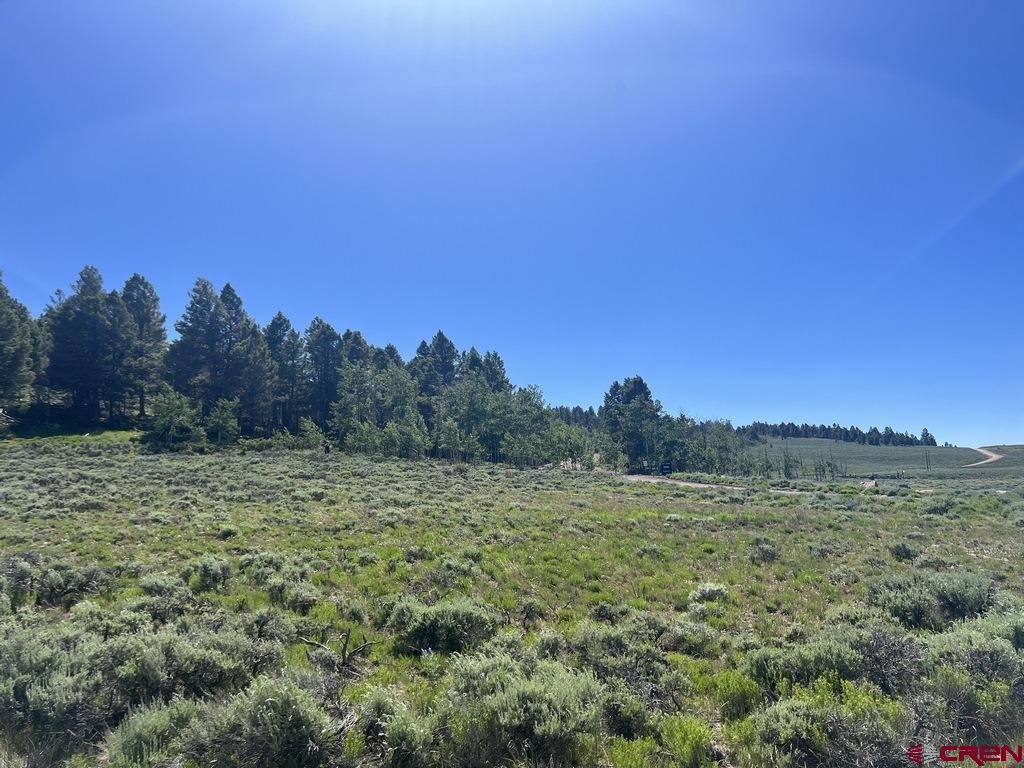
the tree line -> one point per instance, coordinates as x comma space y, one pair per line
99, 357
872, 436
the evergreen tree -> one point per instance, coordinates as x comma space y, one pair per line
195, 360
389, 355
16, 350
255, 391
354, 348
323, 348
79, 361
494, 372
145, 359
434, 367
41, 347
471, 364
291, 372
248, 369
120, 344
632, 417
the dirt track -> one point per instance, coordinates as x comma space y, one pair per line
990, 456
693, 484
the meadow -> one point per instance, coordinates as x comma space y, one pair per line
922, 466
864, 460
290, 608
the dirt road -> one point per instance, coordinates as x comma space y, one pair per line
693, 484
685, 483
990, 456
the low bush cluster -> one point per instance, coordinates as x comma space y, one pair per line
445, 627
930, 600
68, 682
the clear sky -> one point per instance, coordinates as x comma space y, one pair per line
781, 211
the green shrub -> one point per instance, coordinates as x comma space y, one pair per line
932, 601
738, 694
708, 591
301, 597
501, 709
208, 573
222, 422
910, 602
975, 710
19, 575
763, 551
963, 595
892, 657
693, 638
261, 566
269, 625
549, 644
217, 661
803, 663
64, 584
791, 728
532, 610
62, 683
175, 423
377, 708
976, 678
445, 627
408, 737
829, 724
271, 724
641, 753
142, 739
626, 715
903, 551
159, 608
309, 434
600, 647
608, 613
367, 558
416, 553
162, 585
688, 742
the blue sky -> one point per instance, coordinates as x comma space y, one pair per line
780, 211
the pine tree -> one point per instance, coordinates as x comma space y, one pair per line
79, 359
120, 343
145, 359
195, 360
291, 372
354, 347
42, 344
494, 372
323, 347
255, 388
631, 416
16, 348
434, 367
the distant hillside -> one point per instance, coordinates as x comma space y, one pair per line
851, 434
860, 460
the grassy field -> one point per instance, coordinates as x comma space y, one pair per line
916, 462
541, 617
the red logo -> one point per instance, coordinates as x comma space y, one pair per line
965, 753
